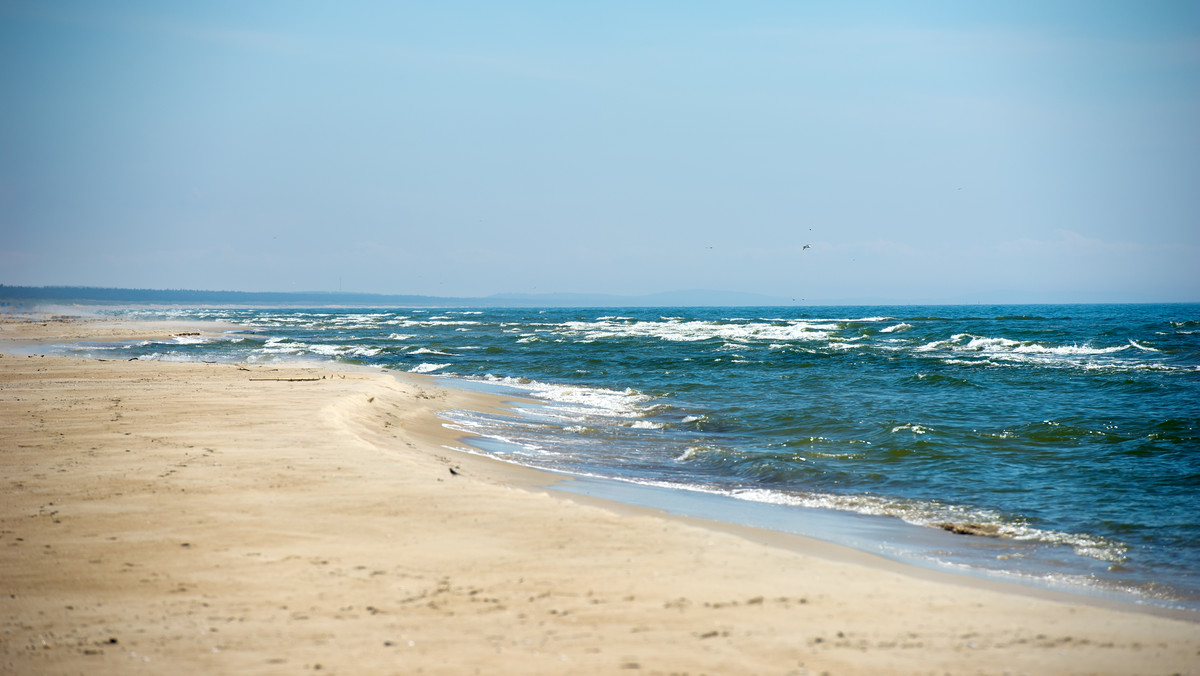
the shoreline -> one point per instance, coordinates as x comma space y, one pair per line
329, 525
834, 549
705, 508
889, 541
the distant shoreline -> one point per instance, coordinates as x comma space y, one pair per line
14, 297
123, 297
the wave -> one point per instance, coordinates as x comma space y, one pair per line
432, 322
462, 422
581, 399
648, 425
426, 350
1034, 348
961, 348
924, 513
695, 331
940, 380
183, 339
935, 515
276, 346
1141, 347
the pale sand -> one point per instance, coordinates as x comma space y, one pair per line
218, 519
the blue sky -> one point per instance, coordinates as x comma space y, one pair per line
926, 151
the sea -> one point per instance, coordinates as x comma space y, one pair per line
1055, 446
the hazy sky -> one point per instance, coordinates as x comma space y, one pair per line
927, 151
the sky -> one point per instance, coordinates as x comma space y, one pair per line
922, 151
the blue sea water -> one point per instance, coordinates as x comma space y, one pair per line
1069, 432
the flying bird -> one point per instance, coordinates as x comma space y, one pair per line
806, 246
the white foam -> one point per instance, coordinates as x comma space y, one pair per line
425, 350
996, 351
434, 321
845, 345
474, 429
692, 331
625, 403
581, 399
1034, 348
921, 513
984, 344
360, 351
647, 425
427, 368
282, 346
325, 349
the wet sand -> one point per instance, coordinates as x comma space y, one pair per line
230, 518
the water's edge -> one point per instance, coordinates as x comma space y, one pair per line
909, 545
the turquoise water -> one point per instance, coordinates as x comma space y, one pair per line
1071, 432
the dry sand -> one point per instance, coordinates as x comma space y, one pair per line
221, 518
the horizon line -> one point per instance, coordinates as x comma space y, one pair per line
100, 295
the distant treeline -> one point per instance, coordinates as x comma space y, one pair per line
95, 295
87, 295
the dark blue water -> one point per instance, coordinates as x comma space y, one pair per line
1070, 433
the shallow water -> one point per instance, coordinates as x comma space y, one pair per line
1072, 431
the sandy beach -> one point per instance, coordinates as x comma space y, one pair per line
162, 517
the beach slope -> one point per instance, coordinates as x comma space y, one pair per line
228, 518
